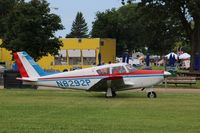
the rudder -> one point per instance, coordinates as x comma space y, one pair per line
27, 66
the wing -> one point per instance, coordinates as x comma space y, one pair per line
116, 82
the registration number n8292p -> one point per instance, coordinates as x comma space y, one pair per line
73, 83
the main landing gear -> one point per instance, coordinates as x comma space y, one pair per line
110, 90
110, 93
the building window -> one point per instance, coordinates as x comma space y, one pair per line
74, 57
89, 61
89, 57
61, 58
74, 60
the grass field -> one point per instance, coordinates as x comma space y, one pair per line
47, 111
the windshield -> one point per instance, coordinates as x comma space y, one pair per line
130, 68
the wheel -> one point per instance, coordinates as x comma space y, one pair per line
114, 94
110, 93
151, 94
106, 96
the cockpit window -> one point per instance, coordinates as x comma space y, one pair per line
130, 68
103, 71
118, 69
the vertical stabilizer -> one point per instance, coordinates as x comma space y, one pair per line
27, 66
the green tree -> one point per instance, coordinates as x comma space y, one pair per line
135, 28
161, 31
5, 8
79, 27
30, 26
106, 24
188, 13
120, 24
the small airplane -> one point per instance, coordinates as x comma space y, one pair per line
106, 78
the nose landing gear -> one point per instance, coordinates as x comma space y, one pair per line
151, 94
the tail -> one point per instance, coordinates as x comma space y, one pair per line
27, 67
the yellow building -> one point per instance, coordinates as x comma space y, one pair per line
76, 53
5, 57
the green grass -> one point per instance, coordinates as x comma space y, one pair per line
158, 67
42, 111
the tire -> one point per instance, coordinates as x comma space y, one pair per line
114, 94
151, 94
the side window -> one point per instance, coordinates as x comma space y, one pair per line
118, 69
103, 71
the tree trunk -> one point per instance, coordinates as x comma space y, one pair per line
195, 43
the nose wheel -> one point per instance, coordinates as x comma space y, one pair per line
151, 94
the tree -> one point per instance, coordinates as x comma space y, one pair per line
121, 24
107, 25
135, 28
5, 8
188, 13
29, 26
161, 31
79, 27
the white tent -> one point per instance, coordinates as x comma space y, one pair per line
173, 54
184, 56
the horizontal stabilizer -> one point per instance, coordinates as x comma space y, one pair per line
28, 79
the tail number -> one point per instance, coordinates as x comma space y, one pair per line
73, 83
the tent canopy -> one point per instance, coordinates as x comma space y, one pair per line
184, 56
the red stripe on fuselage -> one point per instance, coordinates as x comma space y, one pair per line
113, 76
139, 72
20, 66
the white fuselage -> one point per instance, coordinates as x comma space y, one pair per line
84, 79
